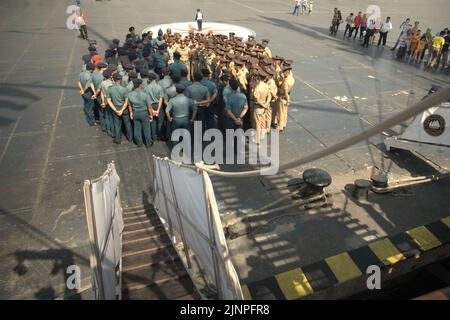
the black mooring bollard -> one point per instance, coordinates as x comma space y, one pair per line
316, 180
379, 181
361, 190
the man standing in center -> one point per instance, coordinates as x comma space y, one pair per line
141, 113
117, 97
181, 111
199, 19
200, 94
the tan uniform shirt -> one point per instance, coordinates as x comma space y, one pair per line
267, 53
273, 88
242, 77
261, 93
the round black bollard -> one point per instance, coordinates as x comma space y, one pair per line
361, 190
316, 180
379, 181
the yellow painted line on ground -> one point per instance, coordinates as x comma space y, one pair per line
294, 284
424, 238
446, 221
386, 251
246, 293
343, 267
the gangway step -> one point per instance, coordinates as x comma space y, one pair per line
151, 267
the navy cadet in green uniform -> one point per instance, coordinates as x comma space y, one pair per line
106, 83
97, 78
144, 76
212, 89
135, 38
171, 92
166, 82
128, 68
84, 84
181, 110
159, 41
177, 65
161, 58
86, 58
200, 94
236, 106
156, 94
131, 76
184, 80
141, 113
117, 97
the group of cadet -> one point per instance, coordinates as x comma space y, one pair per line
147, 87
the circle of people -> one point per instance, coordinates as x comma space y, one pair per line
147, 87
412, 44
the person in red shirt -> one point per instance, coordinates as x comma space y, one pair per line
357, 23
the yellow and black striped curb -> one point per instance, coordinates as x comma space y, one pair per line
306, 280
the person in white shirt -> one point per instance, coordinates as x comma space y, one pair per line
297, 5
311, 4
384, 30
199, 19
80, 22
304, 6
404, 28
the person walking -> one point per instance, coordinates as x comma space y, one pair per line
81, 23
335, 21
310, 7
199, 19
304, 6
350, 23
297, 4
357, 24
384, 30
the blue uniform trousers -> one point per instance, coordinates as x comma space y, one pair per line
142, 128
157, 125
126, 122
109, 115
89, 106
101, 114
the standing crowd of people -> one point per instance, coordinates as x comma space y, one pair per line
147, 86
412, 45
303, 7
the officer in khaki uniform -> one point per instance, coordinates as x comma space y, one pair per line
266, 53
284, 98
274, 97
242, 75
262, 97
